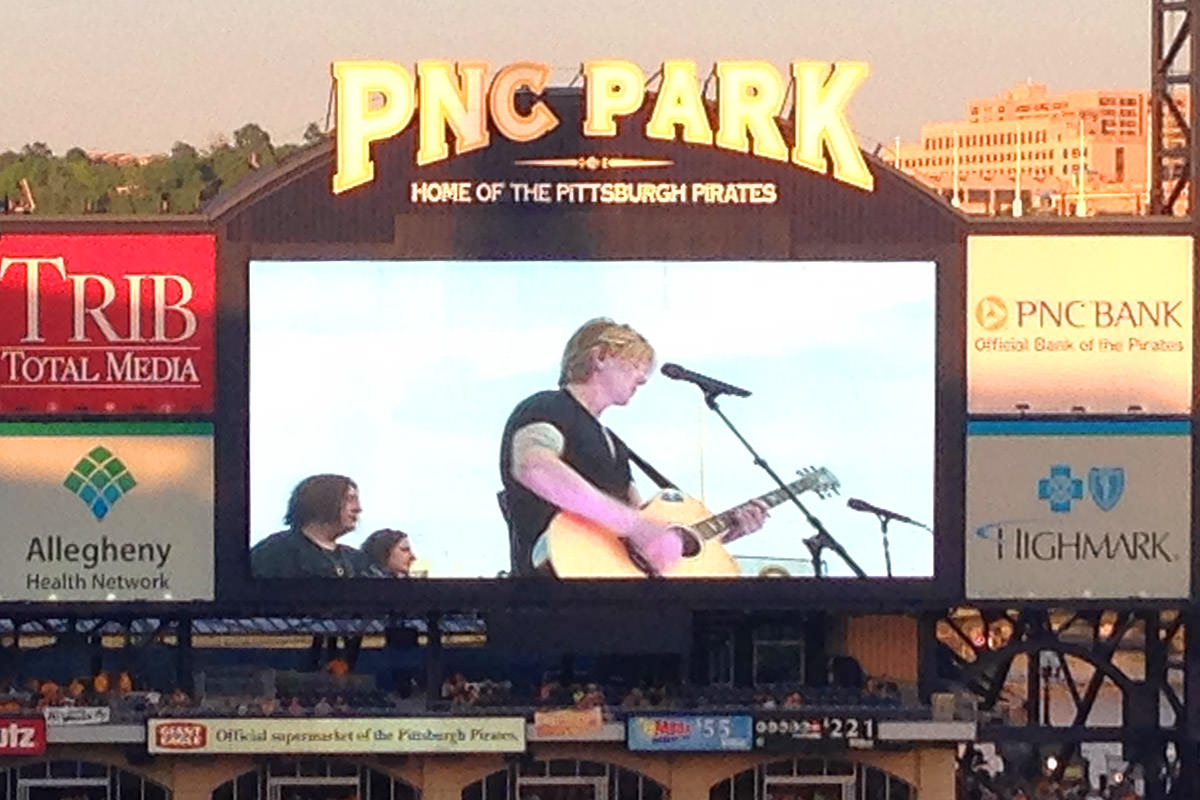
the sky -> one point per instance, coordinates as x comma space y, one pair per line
139, 75
430, 362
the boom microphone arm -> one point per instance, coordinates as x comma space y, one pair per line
885, 517
814, 543
883, 513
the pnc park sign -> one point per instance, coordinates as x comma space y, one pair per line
378, 100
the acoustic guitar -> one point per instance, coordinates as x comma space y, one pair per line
575, 547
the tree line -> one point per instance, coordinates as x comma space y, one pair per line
177, 182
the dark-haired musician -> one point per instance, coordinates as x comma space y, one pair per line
556, 455
322, 509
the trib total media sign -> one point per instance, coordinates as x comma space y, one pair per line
107, 324
1079, 324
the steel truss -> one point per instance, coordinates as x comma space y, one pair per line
1175, 65
1008, 660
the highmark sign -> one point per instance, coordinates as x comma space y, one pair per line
1078, 509
341, 735
377, 100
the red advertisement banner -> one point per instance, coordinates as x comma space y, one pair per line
22, 736
107, 324
180, 736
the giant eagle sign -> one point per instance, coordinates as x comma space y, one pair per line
377, 100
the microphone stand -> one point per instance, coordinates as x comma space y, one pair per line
822, 538
887, 552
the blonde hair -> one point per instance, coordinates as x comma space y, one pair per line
600, 338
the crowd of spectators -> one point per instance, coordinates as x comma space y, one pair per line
1027, 778
116, 691
335, 690
1048, 788
616, 697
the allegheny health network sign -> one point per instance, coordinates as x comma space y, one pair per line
1078, 509
106, 511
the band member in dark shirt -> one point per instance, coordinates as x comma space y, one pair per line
322, 509
556, 455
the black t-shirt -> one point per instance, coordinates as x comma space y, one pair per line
291, 554
586, 450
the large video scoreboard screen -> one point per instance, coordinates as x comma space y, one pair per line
400, 376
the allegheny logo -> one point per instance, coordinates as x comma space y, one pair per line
100, 479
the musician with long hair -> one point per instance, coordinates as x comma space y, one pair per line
390, 552
321, 509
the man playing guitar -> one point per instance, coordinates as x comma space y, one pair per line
556, 455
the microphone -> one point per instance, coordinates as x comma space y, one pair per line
863, 505
710, 386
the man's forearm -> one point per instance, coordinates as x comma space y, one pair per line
558, 484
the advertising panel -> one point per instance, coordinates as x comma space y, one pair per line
106, 511
331, 736
1079, 324
22, 736
792, 731
568, 723
1078, 509
77, 715
419, 374
107, 324
695, 734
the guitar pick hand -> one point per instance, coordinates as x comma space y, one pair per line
659, 546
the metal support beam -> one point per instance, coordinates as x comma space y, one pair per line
434, 665
1161, 747
1189, 753
1152, 740
185, 663
1174, 71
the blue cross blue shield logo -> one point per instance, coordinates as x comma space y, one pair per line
1106, 485
1060, 488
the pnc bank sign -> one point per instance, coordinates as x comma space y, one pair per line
995, 313
1079, 324
378, 100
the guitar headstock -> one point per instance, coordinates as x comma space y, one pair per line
818, 480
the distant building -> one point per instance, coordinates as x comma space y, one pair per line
121, 159
1083, 152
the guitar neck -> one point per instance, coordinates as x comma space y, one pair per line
720, 525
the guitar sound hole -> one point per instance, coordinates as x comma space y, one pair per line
691, 548
691, 545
